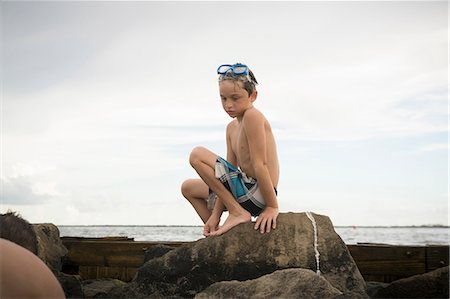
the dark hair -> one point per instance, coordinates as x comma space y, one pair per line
249, 82
16, 229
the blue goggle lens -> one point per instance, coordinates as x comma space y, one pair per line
241, 69
223, 69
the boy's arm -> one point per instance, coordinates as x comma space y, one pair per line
256, 136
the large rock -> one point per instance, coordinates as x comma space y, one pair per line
50, 247
243, 254
52, 251
434, 284
288, 283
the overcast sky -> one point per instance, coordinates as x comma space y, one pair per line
102, 103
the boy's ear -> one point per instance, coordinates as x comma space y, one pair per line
253, 96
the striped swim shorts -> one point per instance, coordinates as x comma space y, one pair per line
244, 189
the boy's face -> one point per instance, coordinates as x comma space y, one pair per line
235, 99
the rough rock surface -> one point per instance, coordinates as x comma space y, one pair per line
243, 254
50, 247
52, 251
288, 283
434, 284
157, 251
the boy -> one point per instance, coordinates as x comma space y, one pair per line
245, 183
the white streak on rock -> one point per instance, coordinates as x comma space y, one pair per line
313, 221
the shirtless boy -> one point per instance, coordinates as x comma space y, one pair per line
245, 183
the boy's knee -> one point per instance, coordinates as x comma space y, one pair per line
185, 188
196, 155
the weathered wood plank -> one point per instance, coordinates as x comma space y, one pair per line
387, 253
108, 253
437, 257
100, 253
386, 263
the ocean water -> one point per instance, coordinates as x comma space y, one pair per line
350, 235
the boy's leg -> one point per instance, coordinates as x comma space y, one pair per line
196, 192
204, 162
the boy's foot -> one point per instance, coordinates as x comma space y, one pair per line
231, 222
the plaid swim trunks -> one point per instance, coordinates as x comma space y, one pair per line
244, 189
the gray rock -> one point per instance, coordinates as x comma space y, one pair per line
434, 284
243, 254
289, 283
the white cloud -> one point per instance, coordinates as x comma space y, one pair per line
23, 190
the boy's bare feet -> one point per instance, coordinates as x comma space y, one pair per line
231, 222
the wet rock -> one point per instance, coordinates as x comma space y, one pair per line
243, 254
434, 284
289, 283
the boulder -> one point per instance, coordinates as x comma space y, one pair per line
50, 247
244, 254
434, 284
52, 251
288, 283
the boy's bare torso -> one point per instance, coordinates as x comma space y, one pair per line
241, 150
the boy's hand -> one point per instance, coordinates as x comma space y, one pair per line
267, 220
211, 225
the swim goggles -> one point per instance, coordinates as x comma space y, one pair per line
237, 69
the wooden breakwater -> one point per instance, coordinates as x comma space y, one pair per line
121, 257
